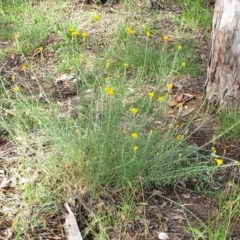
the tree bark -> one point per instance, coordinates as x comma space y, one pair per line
223, 73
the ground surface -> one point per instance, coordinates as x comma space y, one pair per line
173, 209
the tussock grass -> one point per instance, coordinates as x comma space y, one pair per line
229, 124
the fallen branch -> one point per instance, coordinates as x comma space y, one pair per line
70, 226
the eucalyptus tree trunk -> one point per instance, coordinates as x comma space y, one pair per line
223, 74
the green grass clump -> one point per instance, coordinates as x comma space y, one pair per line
110, 142
194, 14
229, 124
25, 22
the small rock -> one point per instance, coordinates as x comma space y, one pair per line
163, 236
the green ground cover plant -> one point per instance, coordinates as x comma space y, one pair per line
229, 124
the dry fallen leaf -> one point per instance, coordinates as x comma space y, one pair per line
173, 103
186, 195
179, 218
181, 99
187, 111
6, 182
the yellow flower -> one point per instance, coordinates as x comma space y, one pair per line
179, 137
180, 125
218, 161
183, 64
108, 63
24, 67
161, 99
84, 34
16, 88
96, 18
179, 47
16, 36
40, 49
75, 33
133, 110
150, 132
169, 87
14, 224
148, 34
213, 149
151, 94
125, 65
129, 31
109, 90
170, 125
135, 148
134, 135
165, 38
71, 29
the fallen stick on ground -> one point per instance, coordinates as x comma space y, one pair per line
70, 225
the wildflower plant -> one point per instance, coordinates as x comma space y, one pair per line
112, 132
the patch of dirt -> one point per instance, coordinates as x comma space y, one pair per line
171, 211
9, 195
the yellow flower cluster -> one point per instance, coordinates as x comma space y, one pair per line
218, 161
129, 31
16, 36
165, 38
24, 67
76, 33
84, 34
133, 110
16, 89
183, 64
134, 135
109, 90
179, 137
73, 32
161, 99
213, 149
169, 87
148, 34
135, 148
96, 18
40, 49
179, 47
151, 94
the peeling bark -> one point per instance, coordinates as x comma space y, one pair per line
223, 74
